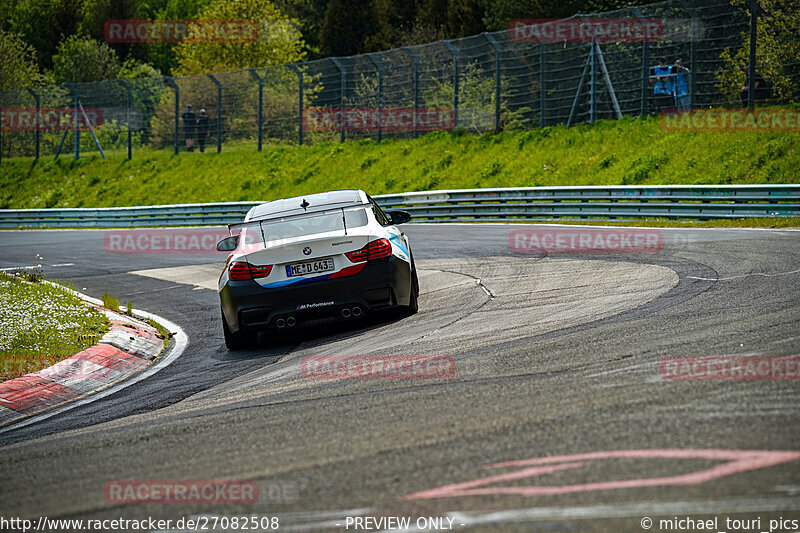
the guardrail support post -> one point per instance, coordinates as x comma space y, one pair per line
260, 104
219, 111
497, 64
380, 94
299, 73
37, 119
645, 66
415, 64
342, 90
456, 79
171, 82
128, 102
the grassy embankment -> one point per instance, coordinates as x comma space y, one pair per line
625, 152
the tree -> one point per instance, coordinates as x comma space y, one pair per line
777, 50
310, 14
278, 41
347, 25
44, 23
162, 55
81, 59
17, 63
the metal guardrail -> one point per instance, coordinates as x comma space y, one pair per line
696, 202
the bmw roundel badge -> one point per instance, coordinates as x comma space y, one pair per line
307, 250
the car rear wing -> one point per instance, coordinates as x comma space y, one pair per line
296, 216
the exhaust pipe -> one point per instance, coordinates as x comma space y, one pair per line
346, 312
291, 321
357, 312
280, 323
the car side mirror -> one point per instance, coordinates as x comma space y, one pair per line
229, 244
398, 217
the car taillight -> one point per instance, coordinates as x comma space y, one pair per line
377, 249
240, 271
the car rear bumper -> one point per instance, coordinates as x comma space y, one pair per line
248, 306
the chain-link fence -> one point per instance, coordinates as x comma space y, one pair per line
506, 80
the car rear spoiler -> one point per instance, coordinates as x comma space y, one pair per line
232, 228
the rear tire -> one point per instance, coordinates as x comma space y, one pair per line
413, 301
237, 341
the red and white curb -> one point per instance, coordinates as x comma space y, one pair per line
130, 347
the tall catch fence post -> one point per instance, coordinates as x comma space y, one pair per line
456, 79
77, 136
219, 111
379, 70
751, 85
260, 112
342, 91
498, 50
415, 67
645, 65
128, 103
171, 83
542, 85
299, 73
694, 29
38, 119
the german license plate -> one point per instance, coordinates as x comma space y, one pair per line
309, 267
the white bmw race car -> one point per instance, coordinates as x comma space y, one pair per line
313, 259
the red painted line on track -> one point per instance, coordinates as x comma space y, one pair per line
736, 461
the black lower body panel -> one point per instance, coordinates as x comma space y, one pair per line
383, 283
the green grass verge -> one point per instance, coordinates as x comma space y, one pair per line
41, 324
625, 152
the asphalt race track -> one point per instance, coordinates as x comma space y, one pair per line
558, 361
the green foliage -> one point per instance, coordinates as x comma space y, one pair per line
109, 302
131, 69
346, 26
17, 63
162, 55
278, 40
777, 53
476, 99
82, 59
44, 24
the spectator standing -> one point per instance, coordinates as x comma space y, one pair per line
680, 78
189, 120
663, 87
763, 89
203, 129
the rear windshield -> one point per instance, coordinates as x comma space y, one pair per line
299, 226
